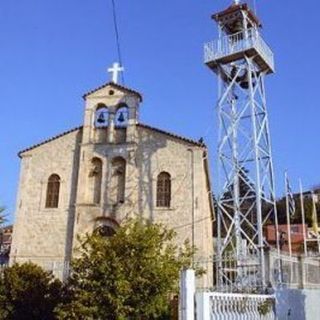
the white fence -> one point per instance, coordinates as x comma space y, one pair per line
224, 306
298, 272
60, 269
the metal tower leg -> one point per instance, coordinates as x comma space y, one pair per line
247, 196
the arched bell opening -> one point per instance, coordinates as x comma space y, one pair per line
101, 117
122, 116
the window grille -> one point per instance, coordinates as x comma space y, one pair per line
53, 189
164, 190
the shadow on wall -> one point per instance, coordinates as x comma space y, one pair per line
149, 144
73, 193
136, 170
291, 304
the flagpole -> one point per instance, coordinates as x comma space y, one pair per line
303, 220
315, 220
288, 214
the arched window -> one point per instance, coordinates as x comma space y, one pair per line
164, 190
118, 180
101, 118
105, 231
53, 189
96, 180
122, 116
106, 227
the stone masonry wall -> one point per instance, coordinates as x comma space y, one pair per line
48, 236
41, 234
190, 195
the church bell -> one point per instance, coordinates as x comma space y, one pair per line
101, 118
121, 118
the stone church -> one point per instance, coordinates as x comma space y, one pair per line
111, 168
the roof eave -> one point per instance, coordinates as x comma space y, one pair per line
20, 153
117, 86
174, 136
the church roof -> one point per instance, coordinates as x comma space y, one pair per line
144, 126
49, 140
173, 135
116, 86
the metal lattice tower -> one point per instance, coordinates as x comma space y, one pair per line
246, 199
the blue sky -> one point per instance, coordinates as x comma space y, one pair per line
52, 52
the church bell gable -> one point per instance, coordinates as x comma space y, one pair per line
109, 108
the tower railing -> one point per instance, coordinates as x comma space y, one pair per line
235, 45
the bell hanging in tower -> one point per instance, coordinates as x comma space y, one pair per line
121, 118
101, 118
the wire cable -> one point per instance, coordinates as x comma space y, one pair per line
254, 6
117, 37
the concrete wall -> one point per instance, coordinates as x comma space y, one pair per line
296, 304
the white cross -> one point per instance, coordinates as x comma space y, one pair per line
115, 70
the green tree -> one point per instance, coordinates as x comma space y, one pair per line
297, 217
130, 275
4, 254
2, 216
27, 292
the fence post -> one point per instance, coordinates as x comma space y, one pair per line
187, 292
203, 306
302, 272
267, 258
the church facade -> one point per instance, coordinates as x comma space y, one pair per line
111, 168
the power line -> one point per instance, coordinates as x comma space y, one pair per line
254, 6
117, 37
194, 223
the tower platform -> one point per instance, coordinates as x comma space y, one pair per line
247, 43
